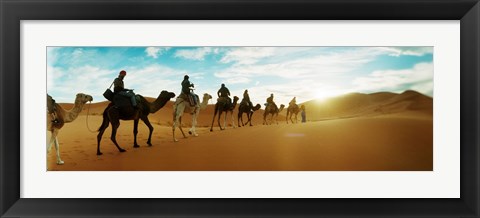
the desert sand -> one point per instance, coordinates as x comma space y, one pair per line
366, 132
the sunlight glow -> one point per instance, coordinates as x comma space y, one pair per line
322, 95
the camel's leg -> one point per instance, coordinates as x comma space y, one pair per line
249, 115
50, 143
150, 128
180, 127
233, 120
115, 126
57, 148
244, 123
190, 131
219, 117
264, 118
240, 118
286, 117
213, 120
101, 130
175, 122
135, 132
225, 120
193, 130
176, 114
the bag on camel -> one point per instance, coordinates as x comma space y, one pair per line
108, 94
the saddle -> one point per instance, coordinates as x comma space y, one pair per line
244, 104
56, 118
191, 99
121, 101
60, 121
225, 101
268, 106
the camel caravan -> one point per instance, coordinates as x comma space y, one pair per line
126, 105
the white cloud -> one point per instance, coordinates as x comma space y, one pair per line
419, 78
195, 54
77, 53
411, 51
247, 55
87, 79
149, 81
152, 79
156, 51
237, 80
310, 67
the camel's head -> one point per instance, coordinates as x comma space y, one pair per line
282, 106
257, 107
235, 98
166, 94
83, 98
207, 96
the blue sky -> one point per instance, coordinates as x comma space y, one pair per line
305, 72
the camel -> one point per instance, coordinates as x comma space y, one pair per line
183, 106
113, 115
274, 111
248, 109
63, 116
292, 109
220, 107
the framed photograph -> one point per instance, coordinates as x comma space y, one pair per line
227, 108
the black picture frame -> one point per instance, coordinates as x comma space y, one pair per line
13, 11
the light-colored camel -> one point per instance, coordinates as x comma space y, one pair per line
222, 106
292, 109
182, 106
274, 111
64, 116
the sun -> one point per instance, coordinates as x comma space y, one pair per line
324, 94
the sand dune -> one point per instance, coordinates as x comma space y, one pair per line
384, 131
375, 104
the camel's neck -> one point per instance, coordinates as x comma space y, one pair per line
204, 104
158, 104
72, 114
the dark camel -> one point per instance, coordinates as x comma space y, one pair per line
113, 115
222, 106
293, 109
274, 111
248, 109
